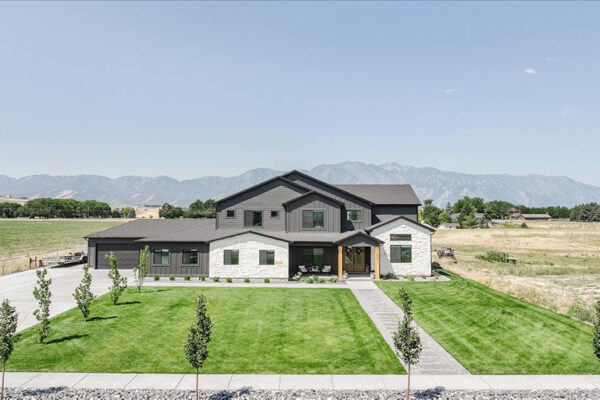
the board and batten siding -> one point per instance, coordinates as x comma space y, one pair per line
265, 198
176, 266
330, 257
384, 213
350, 202
331, 210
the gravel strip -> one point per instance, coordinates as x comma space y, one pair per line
435, 394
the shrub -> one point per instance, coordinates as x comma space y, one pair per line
202, 278
297, 277
171, 277
186, 278
229, 280
246, 280
580, 311
322, 280
333, 279
216, 279
493, 256
267, 280
156, 277
309, 280
410, 278
524, 225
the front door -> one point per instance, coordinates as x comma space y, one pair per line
354, 259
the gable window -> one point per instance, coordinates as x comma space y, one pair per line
312, 219
231, 257
266, 257
400, 236
189, 256
230, 213
253, 218
401, 254
313, 256
274, 214
353, 215
160, 257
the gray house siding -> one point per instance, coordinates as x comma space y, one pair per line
266, 198
330, 257
383, 213
313, 202
176, 266
350, 202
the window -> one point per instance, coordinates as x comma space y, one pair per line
313, 219
231, 257
189, 256
230, 213
353, 215
160, 257
266, 257
313, 256
274, 214
401, 254
252, 218
400, 236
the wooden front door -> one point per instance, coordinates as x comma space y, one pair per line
354, 259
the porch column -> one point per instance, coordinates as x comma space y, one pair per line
340, 262
377, 261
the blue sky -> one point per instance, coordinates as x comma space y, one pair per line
193, 89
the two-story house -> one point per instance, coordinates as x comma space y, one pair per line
290, 223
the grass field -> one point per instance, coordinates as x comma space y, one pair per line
558, 267
38, 237
492, 333
256, 330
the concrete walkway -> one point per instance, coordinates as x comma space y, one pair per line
386, 314
18, 289
291, 382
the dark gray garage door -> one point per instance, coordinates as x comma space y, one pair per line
127, 255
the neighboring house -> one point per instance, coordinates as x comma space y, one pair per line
531, 217
449, 225
478, 216
276, 228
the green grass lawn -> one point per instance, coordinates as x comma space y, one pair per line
492, 333
18, 237
256, 330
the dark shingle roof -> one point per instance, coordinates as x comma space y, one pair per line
382, 194
149, 228
382, 223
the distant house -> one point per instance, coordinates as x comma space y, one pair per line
478, 216
531, 217
449, 225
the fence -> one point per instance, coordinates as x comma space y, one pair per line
24, 262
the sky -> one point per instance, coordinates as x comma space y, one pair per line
188, 89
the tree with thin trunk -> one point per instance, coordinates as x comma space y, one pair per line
196, 346
140, 271
119, 283
406, 339
83, 293
42, 294
596, 339
8, 326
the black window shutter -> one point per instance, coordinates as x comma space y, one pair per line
227, 257
262, 257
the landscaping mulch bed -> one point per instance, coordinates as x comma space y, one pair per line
435, 394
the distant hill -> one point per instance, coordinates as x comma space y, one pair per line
429, 183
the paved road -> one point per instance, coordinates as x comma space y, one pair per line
18, 288
291, 382
386, 314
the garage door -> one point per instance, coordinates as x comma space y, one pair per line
127, 255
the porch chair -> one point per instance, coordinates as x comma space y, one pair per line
302, 269
327, 269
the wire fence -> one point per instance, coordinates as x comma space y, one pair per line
26, 259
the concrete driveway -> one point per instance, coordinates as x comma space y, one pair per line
18, 289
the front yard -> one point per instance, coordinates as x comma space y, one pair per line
492, 333
256, 330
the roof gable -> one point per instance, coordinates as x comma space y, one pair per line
328, 185
312, 193
263, 183
401, 218
384, 194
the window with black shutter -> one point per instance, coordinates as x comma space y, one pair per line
266, 257
253, 218
231, 257
401, 254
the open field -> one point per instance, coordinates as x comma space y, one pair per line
20, 237
256, 330
558, 266
492, 333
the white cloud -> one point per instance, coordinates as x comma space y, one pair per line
530, 71
566, 113
450, 90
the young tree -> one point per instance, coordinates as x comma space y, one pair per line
406, 340
119, 283
42, 294
596, 339
83, 293
140, 271
196, 346
8, 327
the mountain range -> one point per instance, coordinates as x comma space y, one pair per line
429, 183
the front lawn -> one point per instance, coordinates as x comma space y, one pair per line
492, 333
256, 330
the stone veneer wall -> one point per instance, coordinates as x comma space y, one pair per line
421, 249
249, 245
